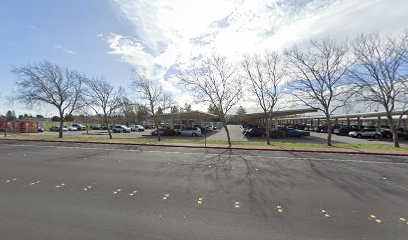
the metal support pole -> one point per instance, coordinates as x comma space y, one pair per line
358, 123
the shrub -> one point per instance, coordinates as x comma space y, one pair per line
170, 132
277, 134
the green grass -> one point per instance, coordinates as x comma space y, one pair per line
280, 145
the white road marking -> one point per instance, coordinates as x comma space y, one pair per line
215, 154
325, 213
237, 205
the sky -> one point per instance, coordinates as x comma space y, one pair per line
161, 37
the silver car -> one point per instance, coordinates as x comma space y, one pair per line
120, 128
137, 128
368, 133
190, 131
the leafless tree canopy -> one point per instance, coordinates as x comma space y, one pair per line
217, 82
265, 76
318, 76
381, 73
104, 99
50, 84
153, 95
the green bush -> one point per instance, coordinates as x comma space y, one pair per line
277, 134
170, 132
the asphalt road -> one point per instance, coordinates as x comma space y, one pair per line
73, 191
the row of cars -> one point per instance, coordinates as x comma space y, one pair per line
194, 131
356, 131
116, 128
281, 131
73, 127
120, 128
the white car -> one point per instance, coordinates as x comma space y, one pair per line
190, 131
120, 128
368, 132
137, 128
71, 128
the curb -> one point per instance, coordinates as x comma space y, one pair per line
211, 147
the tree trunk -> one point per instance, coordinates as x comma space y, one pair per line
394, 131
87, 124
268, 130
157, 130
329, 131
61, 132
108, 126
228, 136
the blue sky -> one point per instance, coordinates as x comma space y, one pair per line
63, 32
160, 37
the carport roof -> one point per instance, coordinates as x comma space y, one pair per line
261, 115
186, 115
351, 115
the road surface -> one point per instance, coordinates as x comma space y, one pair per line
84, 191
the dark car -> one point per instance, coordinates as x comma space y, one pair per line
386, 133
40, 129
95, 127
403, 133
290, 132
344, 131
255, 132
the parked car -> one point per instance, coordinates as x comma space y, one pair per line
323, 129
190, 131
203, 129
255, 132
386, 133
95, 127
71, 128
366, 133
316, 128
137, 128
56, 128
79, 127
403, 133
161, 131
299, 126
290, 132
40, 129
120, 128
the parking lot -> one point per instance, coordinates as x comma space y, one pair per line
235, 133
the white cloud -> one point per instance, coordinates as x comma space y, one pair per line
64, 49
170, 34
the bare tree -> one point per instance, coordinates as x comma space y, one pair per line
153, 94
128, 110
265, 76
217, 82
318, 76
381, 73
104, 99
142, 113
47, 83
